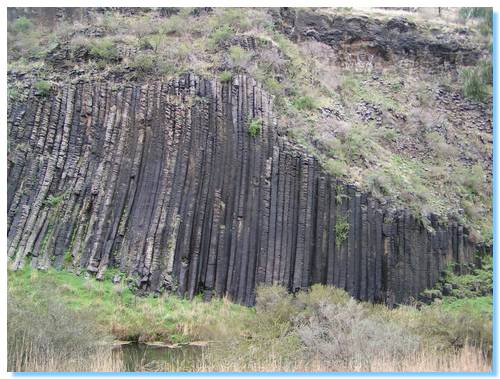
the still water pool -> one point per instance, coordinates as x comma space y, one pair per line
156, 357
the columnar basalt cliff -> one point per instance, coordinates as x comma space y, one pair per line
164, 181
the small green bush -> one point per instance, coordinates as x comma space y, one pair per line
319, 293
104, 49
167, 68
22, 25
53, 201
42, 87
235, 17
359, 141
477, 81
12, 93
225, 76
485, 14
452, 330
472, 179
276, 303
273, 86
239, 57
143, 62
341, 230
174, 25
304, 103
221, 34
254, 127
336, 167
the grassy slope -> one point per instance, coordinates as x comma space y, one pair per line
127, 317
422, 152
472, 292
119, 312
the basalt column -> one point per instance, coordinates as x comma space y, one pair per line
164, 182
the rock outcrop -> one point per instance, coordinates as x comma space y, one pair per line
396, 37
165, 182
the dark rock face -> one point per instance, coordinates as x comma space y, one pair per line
164, 181
397, 37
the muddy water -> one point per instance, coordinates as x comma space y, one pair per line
149, 357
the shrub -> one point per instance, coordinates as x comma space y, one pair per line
180, 53
22, 25
221, 34
53, 201
12, 93
275, 302
234, 17
344, 333
453, 330
42, 87
40, 327
341, 230
239, 57
141, 27
477, 81
254, 127
472, 179
225, 76
440, 147
336, 167
304, 103
357, 142
319, 294
273, 86
379, 183
174, 25
485, 14
167, 68
143, 62
103, 48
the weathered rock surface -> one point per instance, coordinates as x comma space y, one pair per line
396, 37
163, 181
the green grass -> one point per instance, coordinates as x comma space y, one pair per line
305, 103
225, 76
53, 201
126, 316
220, 35
341, 230
471, 293
353, 89
22, 25
477, 81
104, 49
240, 58
484, 14
287, 327
482, 305
42, 87
254, 127
144, 62
12, 93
